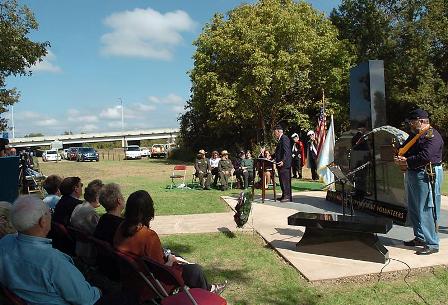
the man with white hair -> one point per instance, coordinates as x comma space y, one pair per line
33, 270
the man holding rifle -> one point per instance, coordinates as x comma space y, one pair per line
421, 158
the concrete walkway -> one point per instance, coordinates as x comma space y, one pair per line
270, 221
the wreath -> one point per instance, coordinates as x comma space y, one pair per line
242, 208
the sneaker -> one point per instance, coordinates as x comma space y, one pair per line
427, 251
414, 243
218, 288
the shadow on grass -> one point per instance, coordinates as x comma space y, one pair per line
226, 232
178, 248
164, 161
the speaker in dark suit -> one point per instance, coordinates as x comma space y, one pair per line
283, 159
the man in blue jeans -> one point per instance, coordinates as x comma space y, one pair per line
421, 157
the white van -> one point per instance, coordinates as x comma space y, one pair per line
133, 152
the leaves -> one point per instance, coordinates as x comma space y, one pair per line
260, 65
17, 52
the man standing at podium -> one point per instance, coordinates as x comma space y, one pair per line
283, 159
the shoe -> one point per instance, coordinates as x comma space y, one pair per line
284, 200
427, 251
295, 177
414, 243
279, 198
218, 288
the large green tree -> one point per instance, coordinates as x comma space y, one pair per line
412, 38
17, 52
260, 65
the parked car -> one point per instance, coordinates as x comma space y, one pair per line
64, 154
158, 151
87, 154
145, 151
132, 152
72, 153
51, 155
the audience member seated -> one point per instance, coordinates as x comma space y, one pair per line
113, 201
214, 162
51, 185
84, 216
225, 170
71, 190
36, 272
203, 170
5, 219
237, 165
269, 169
135, 236
247, 166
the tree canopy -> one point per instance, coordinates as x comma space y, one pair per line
17, 52
259, 65
411, 37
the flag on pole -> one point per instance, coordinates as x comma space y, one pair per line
326, 156
321, 130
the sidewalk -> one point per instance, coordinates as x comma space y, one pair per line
270, 221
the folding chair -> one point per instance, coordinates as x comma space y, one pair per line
133, 278
106, 259
84, 248
163, 274
12, 297
61, 239
179, 172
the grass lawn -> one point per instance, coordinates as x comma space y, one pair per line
256, 274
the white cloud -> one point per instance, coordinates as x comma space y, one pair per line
47, 122
145, 33
83, 118
111, 113
170, 99
145, 107
178, 109
89, 127
47, 64
27, 115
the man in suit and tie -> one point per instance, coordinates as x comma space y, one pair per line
283, 159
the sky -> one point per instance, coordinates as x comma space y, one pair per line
108, 53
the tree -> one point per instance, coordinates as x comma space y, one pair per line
411, 37
260, 65
17, 52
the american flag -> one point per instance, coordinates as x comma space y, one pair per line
321, 129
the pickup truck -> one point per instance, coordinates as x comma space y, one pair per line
158, 151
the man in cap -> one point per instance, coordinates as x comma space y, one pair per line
312, 154
225, 167
283, 159
298, 156
237, 165
421, 158
203, 170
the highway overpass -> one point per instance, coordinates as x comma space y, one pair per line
165, 135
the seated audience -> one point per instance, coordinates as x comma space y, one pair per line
203, 170
51, 185
36, 272
214, 162
247, 166
135, 236
5, 219
71, 190
112, 200
84, 216
225, 167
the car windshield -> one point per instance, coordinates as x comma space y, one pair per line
133, 148
51, 152
86, 150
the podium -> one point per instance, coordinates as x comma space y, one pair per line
264, 164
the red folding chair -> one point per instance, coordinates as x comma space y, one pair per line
179, 172
164, 275
133, 278
12, 297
